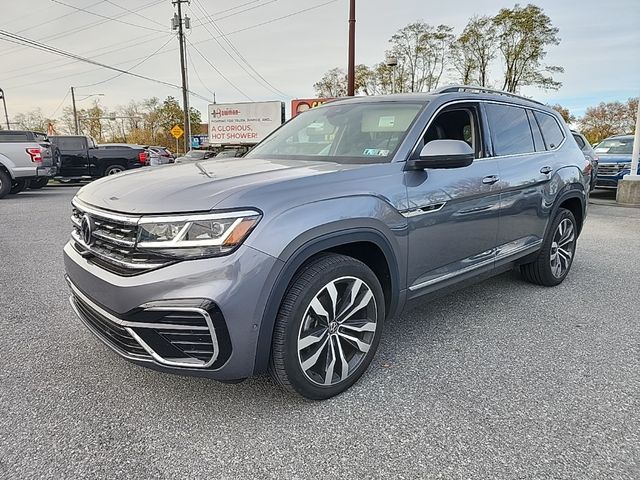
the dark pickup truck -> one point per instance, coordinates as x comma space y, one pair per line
80, 157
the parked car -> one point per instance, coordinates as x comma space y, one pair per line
81, 157
615, 160
160, 156
26, 158
195, 155
234, 152
291, 259
588, 152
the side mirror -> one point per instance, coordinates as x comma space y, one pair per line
443, 154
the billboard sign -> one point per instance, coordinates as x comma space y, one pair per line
300, 105
243, 123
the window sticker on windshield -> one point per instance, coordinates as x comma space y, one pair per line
388, 121
376, 152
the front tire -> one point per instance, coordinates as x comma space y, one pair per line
18, 185
5, 183
555, 258
328, 327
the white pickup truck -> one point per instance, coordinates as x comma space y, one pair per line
26, 160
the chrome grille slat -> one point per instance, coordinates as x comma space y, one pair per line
114, 242
610, 168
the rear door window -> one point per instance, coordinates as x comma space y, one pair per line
510, 130
70, 144
551, 131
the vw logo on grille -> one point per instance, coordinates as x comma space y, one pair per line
86, 229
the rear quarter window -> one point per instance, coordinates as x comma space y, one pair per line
551, 131
13, 137
510, 129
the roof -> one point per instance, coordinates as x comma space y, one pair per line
453, 91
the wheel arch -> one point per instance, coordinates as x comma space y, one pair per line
351, 242
573, 198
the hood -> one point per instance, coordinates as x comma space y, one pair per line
193, 186
613, 158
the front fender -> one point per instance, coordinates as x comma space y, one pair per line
316, 227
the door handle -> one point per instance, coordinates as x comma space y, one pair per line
546, 170
490, 179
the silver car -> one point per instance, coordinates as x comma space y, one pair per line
291, 259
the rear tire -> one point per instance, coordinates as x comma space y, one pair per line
328, 327
39, 183
18, 185
555, 257
113, 169
5, 183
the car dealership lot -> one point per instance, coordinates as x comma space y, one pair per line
503, 379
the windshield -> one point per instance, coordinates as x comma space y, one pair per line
195, 154
347, 133
615, 146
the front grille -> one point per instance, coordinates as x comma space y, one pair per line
610, 168
111, 332
169, 334
113, 243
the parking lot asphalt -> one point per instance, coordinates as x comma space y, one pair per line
500, 380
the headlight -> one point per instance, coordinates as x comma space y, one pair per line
196, 235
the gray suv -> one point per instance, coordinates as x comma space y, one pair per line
291, 259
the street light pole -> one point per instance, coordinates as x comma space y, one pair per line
6, 115
636, 149
75, 112
392, 62
351, 75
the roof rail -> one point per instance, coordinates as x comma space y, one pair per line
471, 88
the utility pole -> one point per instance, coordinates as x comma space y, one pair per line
351, 75
4, 102
75, 112
177, 22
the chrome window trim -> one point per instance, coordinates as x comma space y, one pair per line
564, 134
480, 100
129, 326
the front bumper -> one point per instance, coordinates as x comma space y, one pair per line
228, 295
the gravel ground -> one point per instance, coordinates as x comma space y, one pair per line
500, 380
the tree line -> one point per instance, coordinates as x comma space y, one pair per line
145, 122
424, 55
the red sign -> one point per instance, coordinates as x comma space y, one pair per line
300, 105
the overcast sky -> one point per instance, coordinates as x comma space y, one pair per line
599, 47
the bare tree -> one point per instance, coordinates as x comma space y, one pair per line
524, 34
480, 43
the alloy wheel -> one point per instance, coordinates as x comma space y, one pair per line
562, 248
114, 170
337, 330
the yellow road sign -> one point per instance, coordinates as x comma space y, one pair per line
176, 131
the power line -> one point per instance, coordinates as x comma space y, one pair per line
130, 68
255, 75
107, 17
19, 40
61, 103
244, 29
218, 71
193, 66
74, 31
133, 12
135, 42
